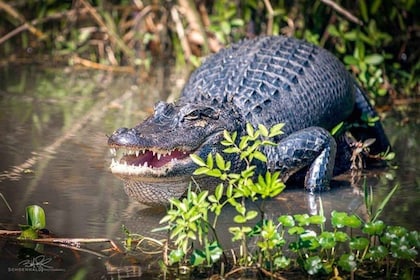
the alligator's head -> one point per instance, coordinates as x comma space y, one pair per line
153, 158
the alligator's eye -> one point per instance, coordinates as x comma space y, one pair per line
201, 113
194, 115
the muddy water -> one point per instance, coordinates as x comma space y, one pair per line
53, 153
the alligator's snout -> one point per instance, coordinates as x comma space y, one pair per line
123, 137
139, 166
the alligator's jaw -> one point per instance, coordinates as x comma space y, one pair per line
145, 162
147, 173
156, 193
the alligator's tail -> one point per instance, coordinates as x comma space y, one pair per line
365, 131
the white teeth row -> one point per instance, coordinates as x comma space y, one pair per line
124, 163
113, 152
124, 168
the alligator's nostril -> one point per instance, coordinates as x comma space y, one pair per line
120, 130
132, 131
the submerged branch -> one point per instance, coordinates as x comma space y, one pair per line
98, 66
71, 243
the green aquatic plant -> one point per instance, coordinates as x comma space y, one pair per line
35, 221
188, 218
350, 246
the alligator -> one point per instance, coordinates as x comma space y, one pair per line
266, 80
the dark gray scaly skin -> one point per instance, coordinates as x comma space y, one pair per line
267, 80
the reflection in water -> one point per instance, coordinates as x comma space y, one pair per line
53, 153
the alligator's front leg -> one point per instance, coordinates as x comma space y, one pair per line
313, 147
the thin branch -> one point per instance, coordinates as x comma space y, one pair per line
181, 33
26, 25
112, 34
342, 11
270, 17
98, 66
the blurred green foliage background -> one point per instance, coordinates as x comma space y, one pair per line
377, 40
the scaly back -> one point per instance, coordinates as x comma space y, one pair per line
275, 79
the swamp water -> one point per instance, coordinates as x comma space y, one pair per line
53, 153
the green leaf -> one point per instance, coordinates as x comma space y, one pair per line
237, 22
296, 230
232, 150
313, 265
384, 202
374, 59
243, 143
166, 219
363, 10
209, 162
341, 236
228, 137
327, 240
214, 173
281, 262
201, 171
260, 156
276, 130
175, 256
302, 219
263, 130
359, 243
286, 220
332, 29
316, 219
337, 128
239, 219
347, 262
28, 233
220, 162
374, 228
375, 6
351, 35
250, 130
352, 221
377, 253
359, 52
197, 160
197, 257
219, 191
342, 219
350, 60
35, 217
251, 215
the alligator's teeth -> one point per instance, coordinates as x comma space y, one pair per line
145, 164
158, 156
137, 153
113, 151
